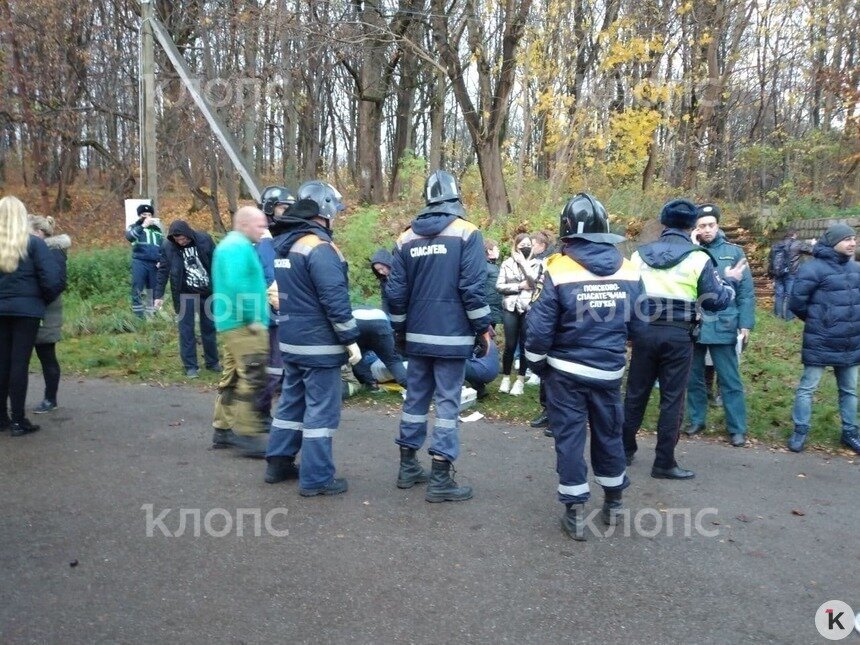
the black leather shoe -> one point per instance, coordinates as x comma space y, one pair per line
630, 457
675, 472
547, 432
540, 421
22, 428
738, 440
692, 429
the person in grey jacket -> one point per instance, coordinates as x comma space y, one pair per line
49, 331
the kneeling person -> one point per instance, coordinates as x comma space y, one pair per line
576, 332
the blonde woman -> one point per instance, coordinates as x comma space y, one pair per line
515, 282
29, 277
49, 331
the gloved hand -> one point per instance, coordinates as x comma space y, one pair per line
400, 342
354, 353
482, 344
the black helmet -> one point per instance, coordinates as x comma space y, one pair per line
441, 187
274, 195
325, 195
584, 217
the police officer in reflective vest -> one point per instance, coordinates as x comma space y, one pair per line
317, 334
436, 294
576, 332
679, 277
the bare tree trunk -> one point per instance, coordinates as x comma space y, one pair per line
437, 121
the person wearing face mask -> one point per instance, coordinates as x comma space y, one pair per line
494, 298
515, 282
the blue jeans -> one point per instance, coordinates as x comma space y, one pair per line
782, 294
191, 304
725, 359
846, 381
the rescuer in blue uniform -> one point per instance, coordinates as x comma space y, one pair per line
679, 278
436, 294
582, 314
318, 334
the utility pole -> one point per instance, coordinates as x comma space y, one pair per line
148, 166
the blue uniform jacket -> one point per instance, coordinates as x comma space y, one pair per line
671, 249
436, 286
315, 320
721, 328
826, 297
266, 253
584, 310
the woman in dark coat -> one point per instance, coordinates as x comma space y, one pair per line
29, 278
52, 324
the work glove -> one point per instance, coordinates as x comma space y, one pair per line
354, 353
482, 344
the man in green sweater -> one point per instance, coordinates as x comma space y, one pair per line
241, 313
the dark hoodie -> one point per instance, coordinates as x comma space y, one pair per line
315, 322
172, 262
699, 277
436, 286
382, 256
585, 311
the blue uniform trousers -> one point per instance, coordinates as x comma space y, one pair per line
426, 377
572, 406
143, 278
307, 417
725, 359
664, 352
274, 372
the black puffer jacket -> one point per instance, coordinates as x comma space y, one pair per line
826, 297
36, 281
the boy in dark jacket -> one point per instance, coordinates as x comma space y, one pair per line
826, 297
186, 259
146, 237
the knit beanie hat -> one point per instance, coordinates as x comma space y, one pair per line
835, 234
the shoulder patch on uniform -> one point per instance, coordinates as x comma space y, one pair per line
305, 244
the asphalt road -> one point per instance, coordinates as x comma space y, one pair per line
381, 565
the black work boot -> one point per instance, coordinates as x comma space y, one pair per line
222, 439
280, 469
611, 507
411, 472
573, 522
442, 487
